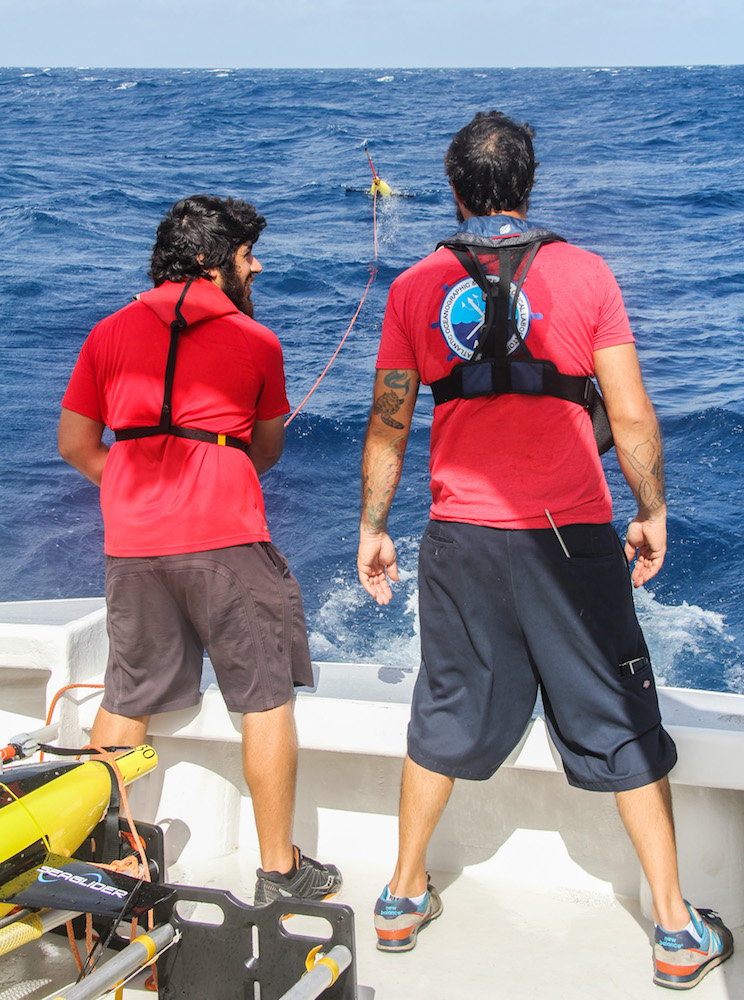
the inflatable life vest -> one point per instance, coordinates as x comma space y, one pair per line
166, 425
492, 370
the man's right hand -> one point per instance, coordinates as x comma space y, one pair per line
376, 561
646, 541
640, 454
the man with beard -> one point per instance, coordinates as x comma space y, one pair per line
523, 583
193, 389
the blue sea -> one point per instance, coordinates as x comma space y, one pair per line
642, 165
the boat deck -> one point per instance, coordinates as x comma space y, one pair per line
493, 939
541, 889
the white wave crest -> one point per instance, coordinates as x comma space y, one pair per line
689, 645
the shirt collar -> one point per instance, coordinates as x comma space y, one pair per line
494, 225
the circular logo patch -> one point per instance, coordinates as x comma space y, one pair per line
463, 313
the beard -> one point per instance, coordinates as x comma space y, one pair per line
237, 291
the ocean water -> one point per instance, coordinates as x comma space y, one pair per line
641, 165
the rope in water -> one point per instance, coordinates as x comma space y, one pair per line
372, 276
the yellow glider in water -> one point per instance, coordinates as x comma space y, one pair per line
379, 186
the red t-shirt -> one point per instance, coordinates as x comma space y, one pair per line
163, 495
500, 461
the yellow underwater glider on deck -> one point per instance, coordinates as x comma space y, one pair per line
50, 810
46, 812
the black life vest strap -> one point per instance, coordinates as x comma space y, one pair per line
489, 371
193, 433
166, 426
496, 316
527, 377
516, 254
513, 328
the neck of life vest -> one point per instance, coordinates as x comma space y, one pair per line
166, 425
507, 246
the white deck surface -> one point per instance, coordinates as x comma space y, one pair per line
491, 941
497, 938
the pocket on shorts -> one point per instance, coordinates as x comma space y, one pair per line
637, 673
267, 547
591, 542
437, 536
277, 558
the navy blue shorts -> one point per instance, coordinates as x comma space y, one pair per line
505, 613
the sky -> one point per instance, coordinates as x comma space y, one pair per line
375, 33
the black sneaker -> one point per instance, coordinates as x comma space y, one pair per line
311, 881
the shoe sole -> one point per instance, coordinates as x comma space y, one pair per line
677, 983
286, 916
309, 899
383, 945
305, 899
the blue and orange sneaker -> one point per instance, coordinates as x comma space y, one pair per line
681, 959
398, 920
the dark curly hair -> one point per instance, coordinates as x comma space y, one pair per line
491, 164
201, 233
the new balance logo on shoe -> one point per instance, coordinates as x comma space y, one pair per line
681, 960
398, 920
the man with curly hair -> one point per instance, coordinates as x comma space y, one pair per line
193, 389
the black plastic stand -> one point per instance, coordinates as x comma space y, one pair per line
220, 961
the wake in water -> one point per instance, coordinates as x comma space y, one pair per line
348, 626
690, 647
627, 169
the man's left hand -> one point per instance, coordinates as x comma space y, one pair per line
376, 561
646, 541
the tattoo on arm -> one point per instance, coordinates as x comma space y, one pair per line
380, 482
385, 406
647, 460
382, 460
398, 380
375, 514
388, 404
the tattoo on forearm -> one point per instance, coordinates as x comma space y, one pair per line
399, 446
375, 508
647, 460
379, 483
382, 461
375, 515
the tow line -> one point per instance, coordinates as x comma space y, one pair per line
382, 189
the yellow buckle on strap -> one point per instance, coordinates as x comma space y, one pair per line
222, 439
316, 957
